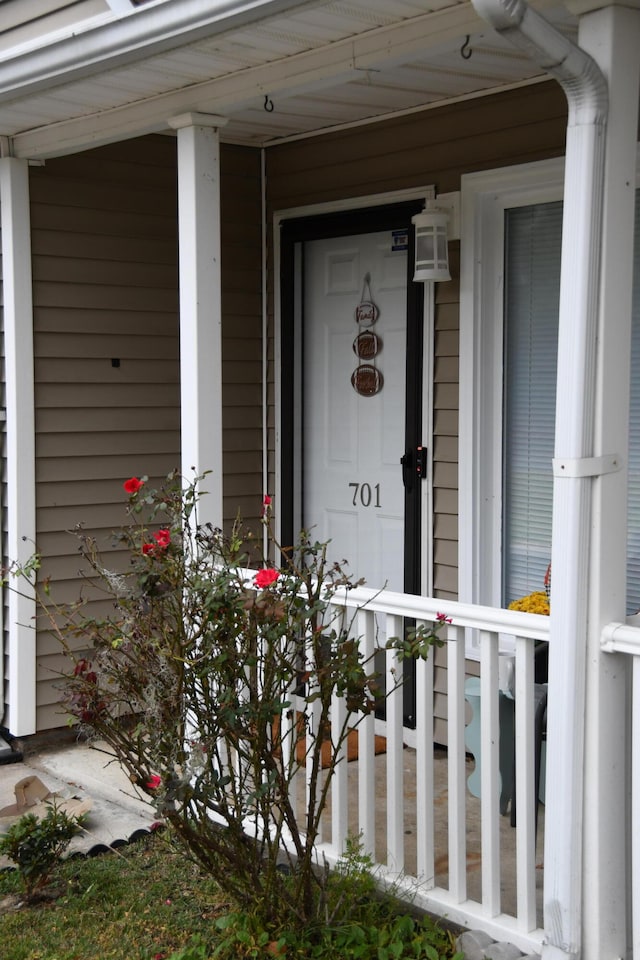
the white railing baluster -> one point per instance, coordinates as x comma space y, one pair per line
392, 610
490, 772
625, 638
425, 816
311, 720
457, 785
339, 785
635, 806
525, 786
366, 745
395, 792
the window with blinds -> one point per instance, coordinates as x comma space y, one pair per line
532, 288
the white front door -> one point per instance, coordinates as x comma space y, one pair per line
354, 390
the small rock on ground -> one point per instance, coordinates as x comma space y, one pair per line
478, 945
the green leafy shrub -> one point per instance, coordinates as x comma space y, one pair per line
386, 938
360, 924
213, 687
36, 845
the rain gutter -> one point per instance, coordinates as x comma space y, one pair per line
145, 32
574, 464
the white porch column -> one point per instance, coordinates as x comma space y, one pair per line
200, 305
612, 37
20, 437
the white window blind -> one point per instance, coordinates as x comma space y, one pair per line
532, 287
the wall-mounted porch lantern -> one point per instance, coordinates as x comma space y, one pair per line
432, 252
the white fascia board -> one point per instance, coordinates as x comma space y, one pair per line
11, 54
304, 72
149, 31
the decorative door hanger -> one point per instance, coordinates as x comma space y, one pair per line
366, 379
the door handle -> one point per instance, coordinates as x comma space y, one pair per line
414, 464
407, 470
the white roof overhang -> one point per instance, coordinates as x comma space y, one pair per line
317, 64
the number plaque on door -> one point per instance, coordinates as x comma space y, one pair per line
365, 494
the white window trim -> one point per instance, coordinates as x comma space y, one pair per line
484, 198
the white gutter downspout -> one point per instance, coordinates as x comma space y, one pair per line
586, 92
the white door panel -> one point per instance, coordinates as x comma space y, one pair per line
352, 481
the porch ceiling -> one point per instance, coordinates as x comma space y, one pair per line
317, 64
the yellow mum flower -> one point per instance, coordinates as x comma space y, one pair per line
536, 602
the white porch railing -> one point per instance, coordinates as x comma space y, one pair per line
404, 796
625, 638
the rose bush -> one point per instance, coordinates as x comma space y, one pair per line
204, 679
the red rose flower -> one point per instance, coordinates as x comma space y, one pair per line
132, 485
443, 618
162, 538
267, 500
264, 578
148, 548
154, 782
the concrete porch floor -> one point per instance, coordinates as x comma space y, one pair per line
118, 813
508, 885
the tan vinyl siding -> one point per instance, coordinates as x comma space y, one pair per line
242, 332
445, 465
434, 147
106, 353
431, 148
106, 289
445, 432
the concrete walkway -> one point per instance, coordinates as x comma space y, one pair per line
76, 769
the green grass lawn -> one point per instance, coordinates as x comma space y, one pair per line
143, 901
147, 901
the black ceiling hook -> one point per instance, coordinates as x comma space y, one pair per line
268, 103
465, 49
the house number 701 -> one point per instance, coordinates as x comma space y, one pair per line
365, 494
